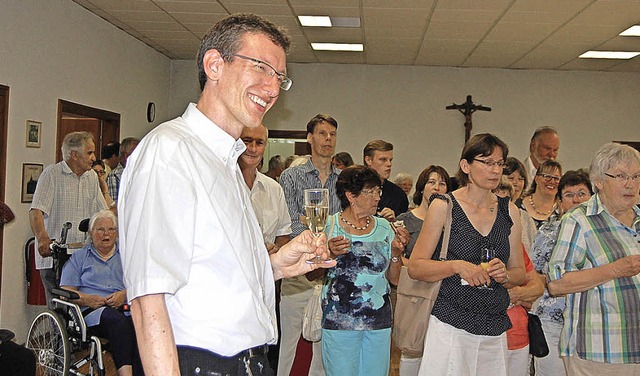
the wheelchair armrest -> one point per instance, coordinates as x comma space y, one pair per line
71, 295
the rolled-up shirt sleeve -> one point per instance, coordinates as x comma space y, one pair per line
570, 250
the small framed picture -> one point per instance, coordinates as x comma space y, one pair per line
33, 133
30, 175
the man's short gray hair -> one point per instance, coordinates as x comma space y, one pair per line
608, 156
402, 177
106, 214
128, 144
542, 130
74, 141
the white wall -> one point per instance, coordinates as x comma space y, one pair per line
406, 106
52, 50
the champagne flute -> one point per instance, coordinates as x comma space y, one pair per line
316, 210
487, 253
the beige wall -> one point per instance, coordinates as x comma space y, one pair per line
406, 106
52, 50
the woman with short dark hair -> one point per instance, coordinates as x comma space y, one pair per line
356, 325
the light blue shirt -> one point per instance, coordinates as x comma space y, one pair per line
90, 274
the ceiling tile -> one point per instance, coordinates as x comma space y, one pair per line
191, 7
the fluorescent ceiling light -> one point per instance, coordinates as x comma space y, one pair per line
337, 46
609, 55
315, 21
633, 31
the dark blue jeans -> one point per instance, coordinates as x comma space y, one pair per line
118, 329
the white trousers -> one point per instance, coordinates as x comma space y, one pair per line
550, 365
519, 362
455, 352
291, 311
409, 366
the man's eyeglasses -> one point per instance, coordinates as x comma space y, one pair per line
372, 192
547, 178
623, 178
490, 163
572, 195
283, 81
110, 230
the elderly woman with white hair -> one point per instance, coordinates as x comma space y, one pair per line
95, 273
595, 263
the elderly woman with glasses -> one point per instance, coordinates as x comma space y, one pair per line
95, 273
540, 201
574, 189
356, 334
468, 323
596, 264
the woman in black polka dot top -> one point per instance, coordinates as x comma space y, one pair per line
468, 323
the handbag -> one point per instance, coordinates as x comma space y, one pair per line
312, 316
414, 302
537, 342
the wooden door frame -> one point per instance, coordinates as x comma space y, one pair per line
107, 117
4, 126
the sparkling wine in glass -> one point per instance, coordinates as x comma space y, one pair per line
316, 210
487, 253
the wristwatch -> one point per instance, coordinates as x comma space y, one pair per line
395, 259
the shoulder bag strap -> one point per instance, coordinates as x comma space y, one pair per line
447, 229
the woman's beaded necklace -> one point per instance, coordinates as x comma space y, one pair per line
533, 206
366, 226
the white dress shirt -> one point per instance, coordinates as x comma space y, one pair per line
531, 171
187, 229
270, 207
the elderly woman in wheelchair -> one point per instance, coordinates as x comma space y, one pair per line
95, 274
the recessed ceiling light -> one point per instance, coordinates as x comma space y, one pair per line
609, 55
315, 21
633, 31
358, 47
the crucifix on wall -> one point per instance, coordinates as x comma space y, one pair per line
467, 109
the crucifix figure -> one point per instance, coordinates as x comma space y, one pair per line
467, 109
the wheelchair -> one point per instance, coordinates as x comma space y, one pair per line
57, 333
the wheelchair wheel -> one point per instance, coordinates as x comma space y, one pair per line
48, 339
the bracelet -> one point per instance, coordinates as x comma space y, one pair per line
395, 259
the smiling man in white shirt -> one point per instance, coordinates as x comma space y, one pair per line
195, 265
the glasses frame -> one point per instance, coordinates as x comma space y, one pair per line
547, 177
623, 178
571, 195
283, 80
490, 164
110, 230
370, 192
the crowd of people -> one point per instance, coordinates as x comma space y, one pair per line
218, 262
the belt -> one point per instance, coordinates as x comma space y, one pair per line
253, 352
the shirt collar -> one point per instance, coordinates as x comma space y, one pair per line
218, 141
309, 167
595, 207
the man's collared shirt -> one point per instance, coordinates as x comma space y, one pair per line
113, 181
601, 324
531, 171
187, 230
267, 199
63, 197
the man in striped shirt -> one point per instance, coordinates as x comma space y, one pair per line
318, 172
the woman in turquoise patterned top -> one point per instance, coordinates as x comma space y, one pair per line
356, 327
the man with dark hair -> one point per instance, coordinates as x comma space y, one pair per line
378, 155
199, 277
113, 178
543, 147
318, 172
110, 156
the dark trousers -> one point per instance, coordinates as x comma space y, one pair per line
118, 329
16, 360
200, 362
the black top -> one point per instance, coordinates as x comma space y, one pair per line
394, 198
477, 311
413, 225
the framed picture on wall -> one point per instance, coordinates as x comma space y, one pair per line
33, 133
30, 175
